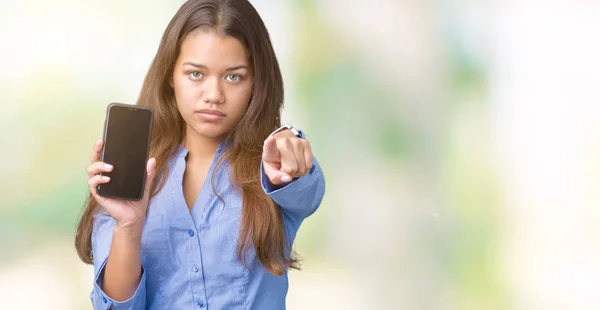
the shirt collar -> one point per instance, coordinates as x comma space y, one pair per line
182, 151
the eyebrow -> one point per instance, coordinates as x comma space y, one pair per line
201, 66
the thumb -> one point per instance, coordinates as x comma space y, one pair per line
150, 171
270, 150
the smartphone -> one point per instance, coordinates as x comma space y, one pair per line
127, 135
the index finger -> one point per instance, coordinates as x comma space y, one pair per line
96, 151
270, 150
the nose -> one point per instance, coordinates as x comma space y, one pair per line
212, 92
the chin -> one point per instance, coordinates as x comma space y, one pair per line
210, 130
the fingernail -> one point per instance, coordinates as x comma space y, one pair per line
105, 178
107, 166
98, 142
286, 178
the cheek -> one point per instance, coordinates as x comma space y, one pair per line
243, 95
185, 93
241, 100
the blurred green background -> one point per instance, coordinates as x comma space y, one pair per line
460, 142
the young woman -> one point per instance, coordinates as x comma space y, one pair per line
227, 187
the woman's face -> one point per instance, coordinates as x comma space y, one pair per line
213, 81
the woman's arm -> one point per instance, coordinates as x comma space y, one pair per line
119, 276
291, 175
119, 280
123, 268
301, 197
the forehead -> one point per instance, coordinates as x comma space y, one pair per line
213, 50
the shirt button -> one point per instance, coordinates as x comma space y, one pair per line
104, 299
191, 233
200, 304
195, 268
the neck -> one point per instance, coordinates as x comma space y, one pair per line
200, 147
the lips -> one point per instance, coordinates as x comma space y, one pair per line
211, 112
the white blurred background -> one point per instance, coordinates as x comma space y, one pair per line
460, 142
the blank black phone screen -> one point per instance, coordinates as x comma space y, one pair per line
127, 137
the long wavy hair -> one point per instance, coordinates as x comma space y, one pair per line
262, 221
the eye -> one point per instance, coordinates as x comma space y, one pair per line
195, 75
233, 78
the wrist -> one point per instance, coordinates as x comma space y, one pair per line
287, 128
132, 231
